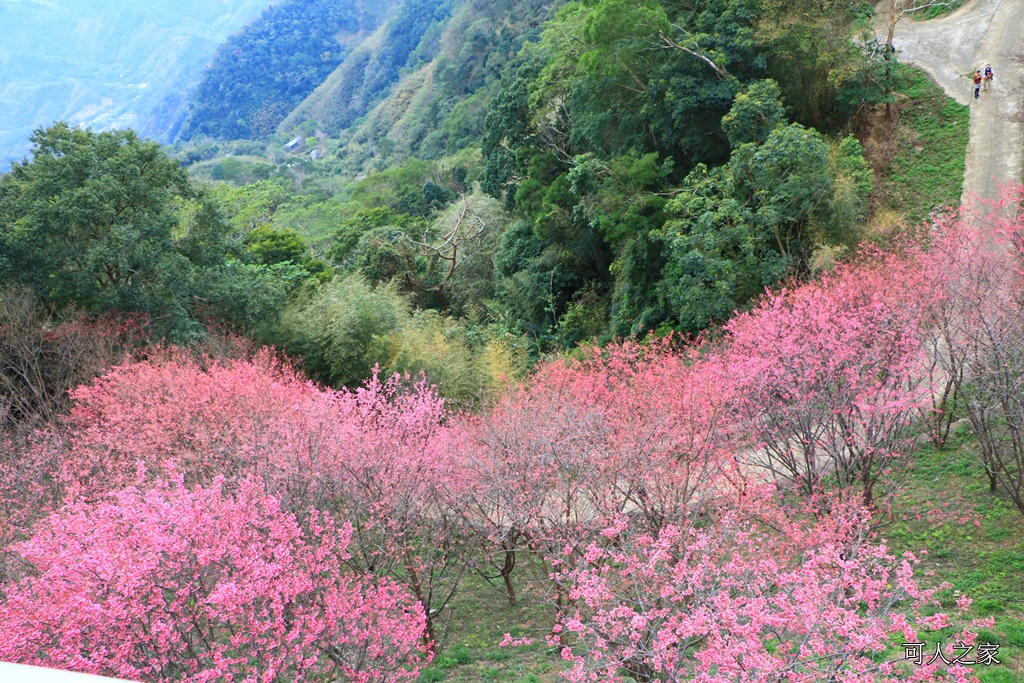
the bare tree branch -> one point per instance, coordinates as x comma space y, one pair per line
901, 8
469, 226
696, 51
658, 39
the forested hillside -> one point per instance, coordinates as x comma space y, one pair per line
438, 108
408, 40
516, 178
651, 166
259, 75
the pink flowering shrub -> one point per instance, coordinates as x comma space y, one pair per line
375, 458
211, 584
827, 377
794, 601
628, 430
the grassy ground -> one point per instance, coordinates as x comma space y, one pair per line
918, 155
938, 10
477, 621
975, 542
963, 534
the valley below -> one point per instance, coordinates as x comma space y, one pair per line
106, 63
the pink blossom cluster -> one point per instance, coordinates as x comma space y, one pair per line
262, 527
207, 584
206, 519
811, 600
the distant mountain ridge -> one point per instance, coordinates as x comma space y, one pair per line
411, 77
106, 63
376, 65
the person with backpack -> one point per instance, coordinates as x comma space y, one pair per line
977, 84
988, 75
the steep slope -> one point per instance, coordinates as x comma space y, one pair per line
394, 97
261, 74
106, 63
374, 66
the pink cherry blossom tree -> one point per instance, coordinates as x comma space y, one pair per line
765, 597
179, 414
400, 482
375, 457
826, 377
209, 584
978, 321
629, 431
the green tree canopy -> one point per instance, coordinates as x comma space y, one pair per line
755, 113
107, 222
743, 227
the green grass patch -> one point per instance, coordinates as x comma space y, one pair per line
469, 634
938, 10
972, 539
919, 161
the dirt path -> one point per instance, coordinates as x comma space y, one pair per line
949, 49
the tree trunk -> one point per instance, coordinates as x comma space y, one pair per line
506, 575
893, 18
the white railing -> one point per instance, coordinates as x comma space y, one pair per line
18, 673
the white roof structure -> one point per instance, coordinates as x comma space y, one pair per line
18, 673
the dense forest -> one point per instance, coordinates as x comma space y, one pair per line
607, 340
519, 178
258, 76
655, 167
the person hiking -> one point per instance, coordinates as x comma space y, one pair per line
977, 84
988, 75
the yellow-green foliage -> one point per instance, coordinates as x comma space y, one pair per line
343, 330
503, 363
436, 346
349, 326
840, 226
467, 368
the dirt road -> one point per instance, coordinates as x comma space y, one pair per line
950, 49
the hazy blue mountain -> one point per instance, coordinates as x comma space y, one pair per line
106, 63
